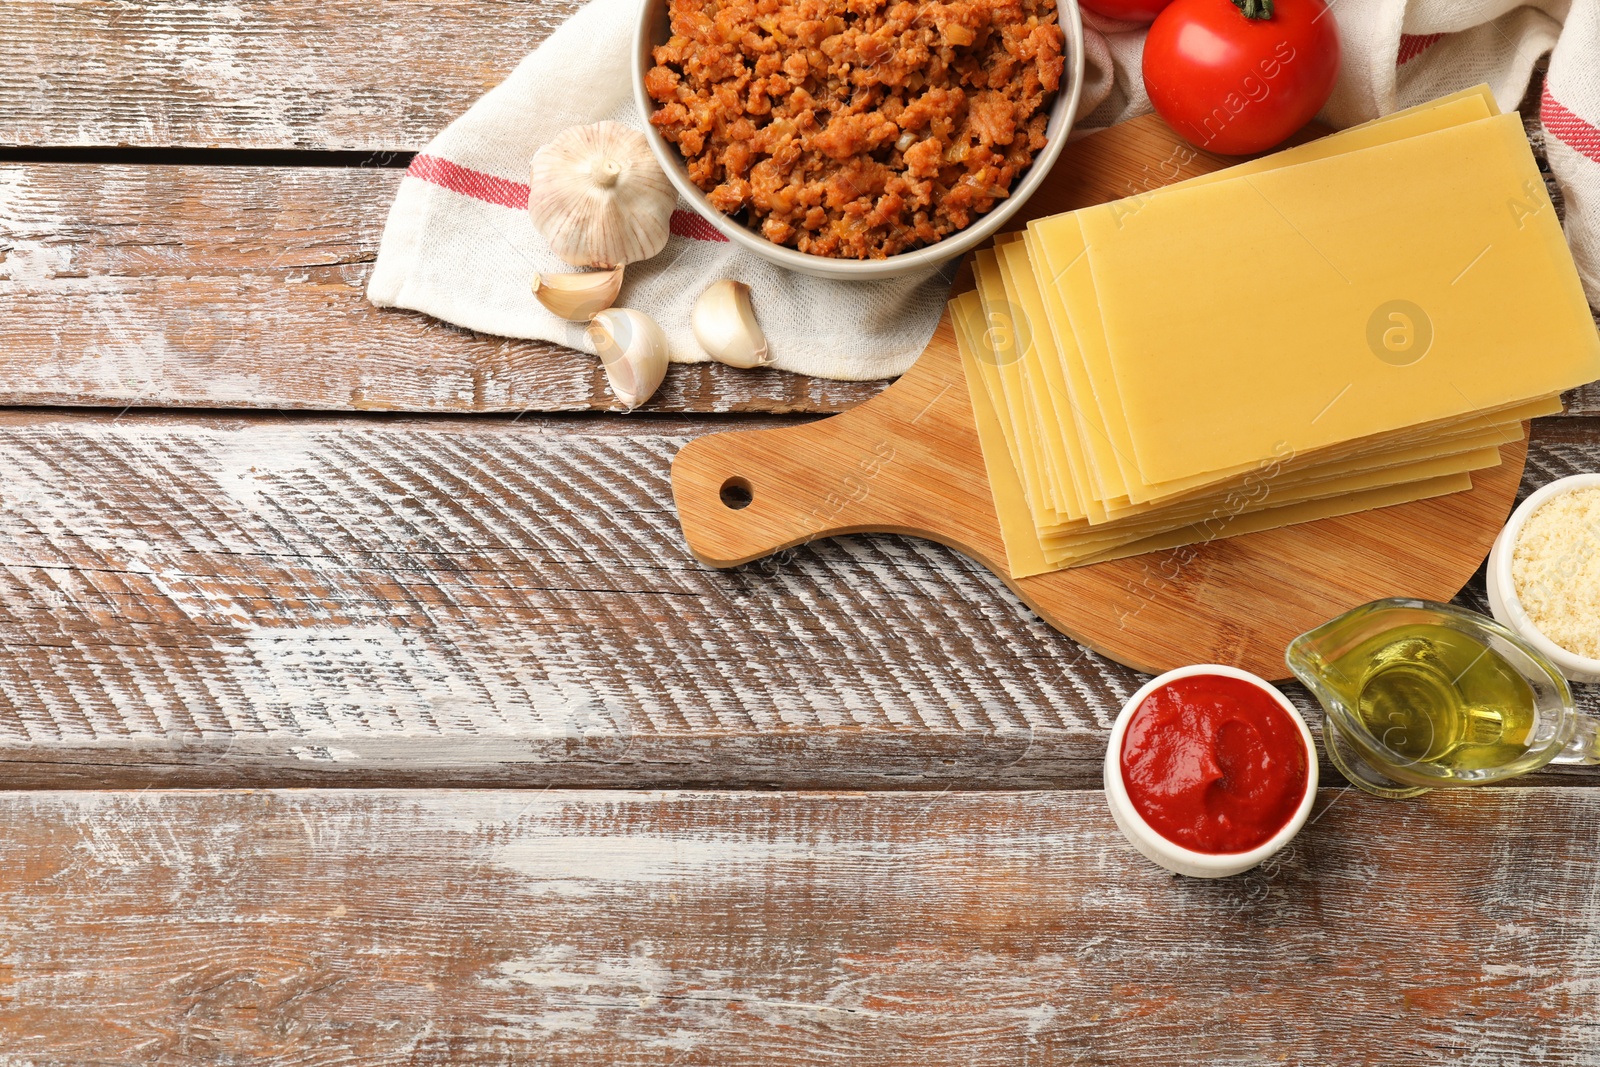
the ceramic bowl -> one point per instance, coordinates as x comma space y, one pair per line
1175, 857
1503, 603
651, 30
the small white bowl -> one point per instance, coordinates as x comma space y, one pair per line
1174, 857
1503, 601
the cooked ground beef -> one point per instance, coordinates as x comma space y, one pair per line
856, 128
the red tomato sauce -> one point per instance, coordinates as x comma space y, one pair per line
1214, 763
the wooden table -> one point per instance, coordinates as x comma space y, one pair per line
361, 705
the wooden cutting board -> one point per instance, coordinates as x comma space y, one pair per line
908, 461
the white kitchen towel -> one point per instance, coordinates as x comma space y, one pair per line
459, 245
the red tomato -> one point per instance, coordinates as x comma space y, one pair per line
1236, 85
1142, 11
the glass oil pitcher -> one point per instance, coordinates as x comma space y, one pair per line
1421, 696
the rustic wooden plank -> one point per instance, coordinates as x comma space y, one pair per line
429, 927
258, 600
157, 286
255, 73
1584, 400
483, 600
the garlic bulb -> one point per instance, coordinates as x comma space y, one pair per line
725, 325
599, 196
578, 297
634, 351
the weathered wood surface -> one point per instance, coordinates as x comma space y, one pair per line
255, 73
262, 600
420, 928
480, 598
159, 286
1584, 400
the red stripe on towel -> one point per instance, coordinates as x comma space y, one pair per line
1413, 45
468, 182
688, 224
503, 192
1580, 136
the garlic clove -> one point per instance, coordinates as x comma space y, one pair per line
633, 350
599, 196
578, 297
725, 325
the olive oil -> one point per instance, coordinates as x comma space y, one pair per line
1432, 694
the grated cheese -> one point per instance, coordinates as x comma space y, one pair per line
1556, 570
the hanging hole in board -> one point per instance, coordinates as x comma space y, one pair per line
736, 493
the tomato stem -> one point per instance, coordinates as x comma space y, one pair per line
1254, 9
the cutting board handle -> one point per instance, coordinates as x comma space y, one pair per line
742, 496
906, 461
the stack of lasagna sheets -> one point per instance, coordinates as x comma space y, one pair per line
1353, 323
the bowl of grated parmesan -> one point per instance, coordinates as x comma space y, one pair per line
1544, 574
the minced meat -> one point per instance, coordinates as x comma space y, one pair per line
856, 128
